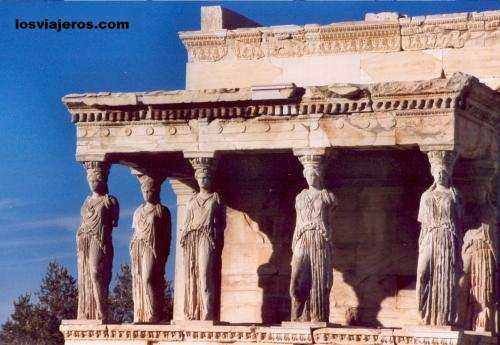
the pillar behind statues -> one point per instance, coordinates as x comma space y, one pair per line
99, 214
149, 250
439, 263
311, 277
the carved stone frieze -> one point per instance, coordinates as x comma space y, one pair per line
283, 44
266, 335
357, 37
121, 332
206, 47
248, 45
454, 30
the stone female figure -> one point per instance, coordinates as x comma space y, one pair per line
94, 244
439, 264
311, 278
478, 255
149, 251
199, 241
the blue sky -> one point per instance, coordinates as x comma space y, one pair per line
42, 187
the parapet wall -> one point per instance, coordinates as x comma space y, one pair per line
383, 47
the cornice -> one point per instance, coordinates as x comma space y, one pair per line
388, 34
460, 91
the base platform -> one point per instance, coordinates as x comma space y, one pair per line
124, 334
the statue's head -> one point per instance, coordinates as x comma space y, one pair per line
313, 170
97, 176
150, 188
442, 163
204, 178
203, 168
483, 191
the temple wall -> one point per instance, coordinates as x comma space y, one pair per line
348, 68
375, 236
383, 47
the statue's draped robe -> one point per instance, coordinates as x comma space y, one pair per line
478, 254
311, 279
95, 255
199, 241
149, 251
439, 264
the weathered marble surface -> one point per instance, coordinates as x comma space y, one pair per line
369, 287
439, 266
99, 213
395, 96
479, 255
311, 276
167, 334
200, 239
457, 111
384, 47
149, 250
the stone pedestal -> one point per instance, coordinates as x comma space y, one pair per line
130, 334
197, 323
304, 325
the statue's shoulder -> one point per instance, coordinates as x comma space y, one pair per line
86, 201
192, 197
139, 209
427, 194
301, 195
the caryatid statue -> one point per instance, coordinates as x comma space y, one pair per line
99, 213
479, 260
149, 250
439, 263
200, 242
311, 278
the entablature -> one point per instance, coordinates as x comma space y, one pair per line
441, 111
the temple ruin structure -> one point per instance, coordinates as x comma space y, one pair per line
336, 184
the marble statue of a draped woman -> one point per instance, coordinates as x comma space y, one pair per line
479, 259
200, 242
99, 214
439, 262
311, 277
149, 251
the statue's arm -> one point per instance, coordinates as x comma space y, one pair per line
295, 232
82, 215
422, 210
184, 225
